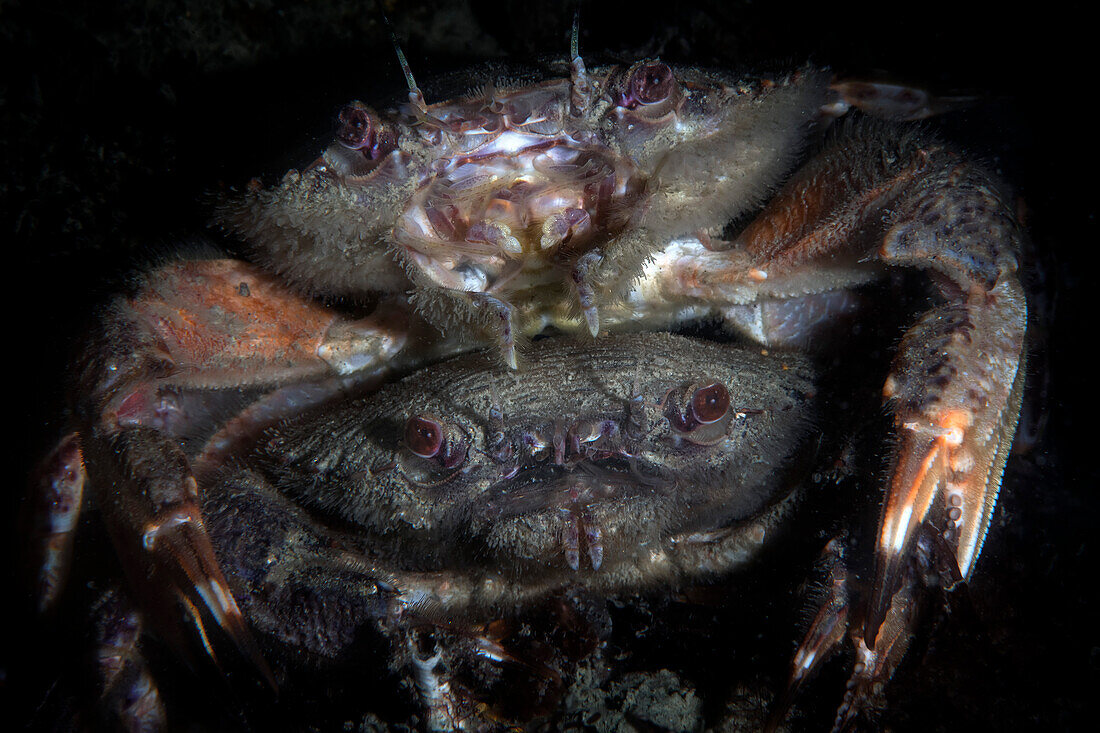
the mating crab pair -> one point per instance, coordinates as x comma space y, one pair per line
637, 198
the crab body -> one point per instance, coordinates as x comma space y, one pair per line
518, 208
640, 198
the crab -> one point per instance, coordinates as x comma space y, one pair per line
441, 514
625, 198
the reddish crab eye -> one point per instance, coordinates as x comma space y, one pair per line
362, 131
651, 82
356, 127
424, 436
705, 415
710, 404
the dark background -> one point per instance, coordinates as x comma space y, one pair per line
120, 123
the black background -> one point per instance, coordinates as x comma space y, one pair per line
121, 122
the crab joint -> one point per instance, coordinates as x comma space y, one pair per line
173, 519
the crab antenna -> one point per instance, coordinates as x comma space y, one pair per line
575, 37
416, 97
578, 75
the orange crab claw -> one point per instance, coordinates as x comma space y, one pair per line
956, 386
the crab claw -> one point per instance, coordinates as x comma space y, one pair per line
194, 329
956, 386
157, 529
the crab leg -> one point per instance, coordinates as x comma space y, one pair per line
957, 381
889, 101
827, 631
57, 487
129, 689
955, 384
209, 325
157, 529
877, 199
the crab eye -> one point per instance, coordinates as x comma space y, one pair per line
361, 130
705, 415
710, 404
357, 127
424, 436
650, 83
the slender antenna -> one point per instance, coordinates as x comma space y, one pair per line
575, 39
416, 97
578, 98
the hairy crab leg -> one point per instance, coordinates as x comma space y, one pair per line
57, 491
205, 325
581, 275
827, 631
957, 381
875, 200
889, 101
499, 314
129, 690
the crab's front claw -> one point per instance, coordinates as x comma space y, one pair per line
157, 528
956, 388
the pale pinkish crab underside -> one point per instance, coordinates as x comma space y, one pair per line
518, 208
